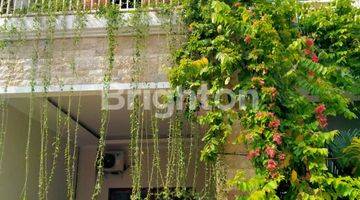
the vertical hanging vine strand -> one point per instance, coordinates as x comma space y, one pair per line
75, 147
3, 126
34, 65
180, 157
156, 172
46, 81
170, 160
67, 153
56, 144
113, 22
140, 24
3, 105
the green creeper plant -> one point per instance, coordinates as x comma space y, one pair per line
113, 21
33, 73
139, 23
353, 152
156, 172
345, 164
3, 126
67, 151
262, 46
336, 30
56, 143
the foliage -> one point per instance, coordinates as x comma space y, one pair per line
353, 153
336, 30
288, 53
345, 163
113, 21
264, 46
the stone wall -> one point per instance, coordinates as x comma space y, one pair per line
89, 60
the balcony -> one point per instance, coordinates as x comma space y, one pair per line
30, 7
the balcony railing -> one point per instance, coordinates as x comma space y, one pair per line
25, 7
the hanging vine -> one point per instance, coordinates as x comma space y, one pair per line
156, 172
3, 126
67, 152
75, 148
33, 72
113, 22
56, 143
49, 26
140, 26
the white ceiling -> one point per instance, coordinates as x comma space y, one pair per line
89, 117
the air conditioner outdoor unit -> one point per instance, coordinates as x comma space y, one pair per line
114, 162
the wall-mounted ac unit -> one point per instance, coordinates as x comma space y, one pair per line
114, 162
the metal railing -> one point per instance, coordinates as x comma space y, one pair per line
12, 7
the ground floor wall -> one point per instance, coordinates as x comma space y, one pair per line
12, 174
86, 175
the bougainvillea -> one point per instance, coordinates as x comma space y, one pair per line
268, 47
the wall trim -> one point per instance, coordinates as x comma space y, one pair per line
85, 89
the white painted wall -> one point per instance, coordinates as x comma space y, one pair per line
13, 170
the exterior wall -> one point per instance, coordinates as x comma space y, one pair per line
236, 160
89, 60
12, 175
86, 173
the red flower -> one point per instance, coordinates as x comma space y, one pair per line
277, 138
270, 152
320, 109
274, 124
247, 39
271, 165
314, 58
253, 153
309, 42
322, 121
282, 156
311, 74
307, 51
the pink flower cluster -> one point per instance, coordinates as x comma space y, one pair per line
321, 118
271, 165
271, 152
315, 58
310, 43
253, 153
282, 156
247, 39
277, 138
274, 124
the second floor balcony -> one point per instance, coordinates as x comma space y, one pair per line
30, 7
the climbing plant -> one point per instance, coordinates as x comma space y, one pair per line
113, 21
139, 23
336, 30
273, 49
301, 60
